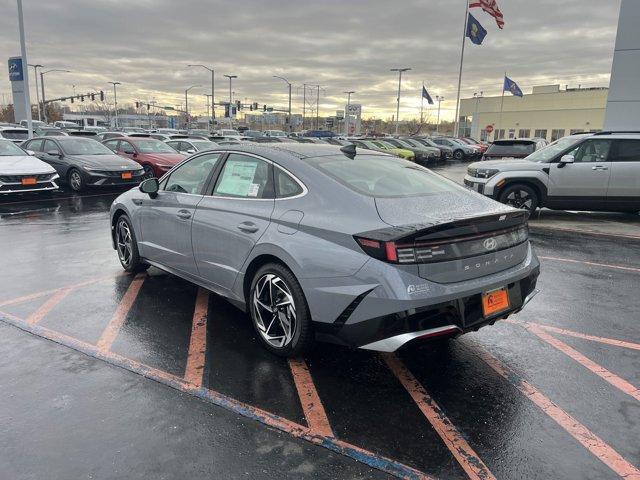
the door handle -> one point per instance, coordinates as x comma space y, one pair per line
184, 214
599, 167
248, 227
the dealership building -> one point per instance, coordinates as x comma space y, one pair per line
549, 111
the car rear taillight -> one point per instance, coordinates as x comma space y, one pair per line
444, 249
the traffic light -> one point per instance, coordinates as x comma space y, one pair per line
251, 107
101, 96
264, 108
148, 106
238, 105
71, 99
137, 104
82, 98
226, 110
93, 97
255, 105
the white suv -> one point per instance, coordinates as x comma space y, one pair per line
594, 171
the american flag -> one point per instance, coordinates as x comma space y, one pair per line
491, 7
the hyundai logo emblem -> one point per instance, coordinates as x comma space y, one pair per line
490, 243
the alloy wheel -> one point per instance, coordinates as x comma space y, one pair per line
275, 310
75, 180
519, 199
124, 243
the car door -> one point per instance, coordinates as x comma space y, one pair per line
165, 221
624, 183
52, 154
583, 183
230, 221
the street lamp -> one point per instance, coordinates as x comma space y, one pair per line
347, 121
439, 99
35, 74
186, 103
399, 70
42, 74
115, 100
213, 86
230, 77
289, 116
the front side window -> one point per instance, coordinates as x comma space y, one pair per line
592, 151
126, 147
111, 145
153, 146
51, 147
245, 177
35, 145
191, 177
378, 177
626, 151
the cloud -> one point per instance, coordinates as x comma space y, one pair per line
341, 45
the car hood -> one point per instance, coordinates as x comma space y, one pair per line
23, 164
105, 162
162, 158
508, 164
420, 212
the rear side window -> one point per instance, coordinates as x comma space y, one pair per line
245, 177
384, 176
285, 185
626, 151
511, 148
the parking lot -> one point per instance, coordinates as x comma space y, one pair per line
111, 375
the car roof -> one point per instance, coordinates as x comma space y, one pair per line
298, 150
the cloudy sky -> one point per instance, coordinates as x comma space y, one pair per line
342, 45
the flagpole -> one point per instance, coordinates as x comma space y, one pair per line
464, 35
501, 104
421, 104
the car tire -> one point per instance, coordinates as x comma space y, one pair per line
282, 322
458, 155
75, 180
127, 246
520, 195
148, 172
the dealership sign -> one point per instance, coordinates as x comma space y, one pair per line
354, 109
15, 69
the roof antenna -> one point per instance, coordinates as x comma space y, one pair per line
349, 151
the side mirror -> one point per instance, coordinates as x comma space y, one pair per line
31, 152
54, 153
191, 150
565, 159
150, 186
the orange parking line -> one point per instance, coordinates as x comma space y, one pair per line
606, 375
461, 450
198, 341
311, 404
598, 447
593, 264
117, 320
47, 306
584, 336
33, 296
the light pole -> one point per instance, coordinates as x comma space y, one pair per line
439, 99
213, 91
209, 96
115, 100
230, 77
186, 104
477, 96
42, 74
289, 115
35, 74
399, 70
347, 121
25, 69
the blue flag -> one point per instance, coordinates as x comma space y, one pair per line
511, 86
475, 31
426, 95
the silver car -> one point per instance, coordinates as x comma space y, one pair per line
319, 242
22, 172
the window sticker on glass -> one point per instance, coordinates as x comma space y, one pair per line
237, 178
253, 190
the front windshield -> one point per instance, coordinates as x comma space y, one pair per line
84, 146
551, 151
153, 146
9, 149
203, 144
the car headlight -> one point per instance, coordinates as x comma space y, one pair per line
482, 172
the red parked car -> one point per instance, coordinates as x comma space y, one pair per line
156, 157
474, 143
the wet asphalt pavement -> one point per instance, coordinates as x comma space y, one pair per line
104, 375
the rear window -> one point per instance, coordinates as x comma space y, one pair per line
15, 134
511, 148
383, 176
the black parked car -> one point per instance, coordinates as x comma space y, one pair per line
446, 153
513, 148
82, 162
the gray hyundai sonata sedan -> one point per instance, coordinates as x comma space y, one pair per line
319, 242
